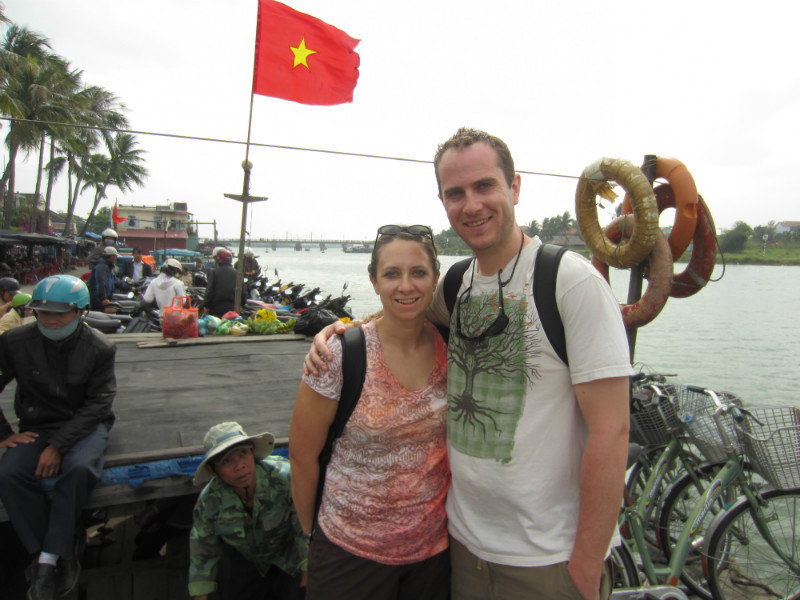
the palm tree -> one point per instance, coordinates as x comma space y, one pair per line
22, 86
122, 168
100, 109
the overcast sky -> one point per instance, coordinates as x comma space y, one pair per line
714, 84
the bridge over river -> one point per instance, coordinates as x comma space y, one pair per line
300, 243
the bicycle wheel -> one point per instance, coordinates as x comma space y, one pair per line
678, 503
637, 479
742, 564
626, 575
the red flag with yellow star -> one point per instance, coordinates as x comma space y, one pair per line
303, 59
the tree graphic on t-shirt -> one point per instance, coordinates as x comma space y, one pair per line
488, 378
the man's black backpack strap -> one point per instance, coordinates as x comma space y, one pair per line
354, 370
452, 282
544, 293
545, 272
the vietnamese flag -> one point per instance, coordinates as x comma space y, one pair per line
303, 59
115, 216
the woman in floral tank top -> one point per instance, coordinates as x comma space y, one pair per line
381, 530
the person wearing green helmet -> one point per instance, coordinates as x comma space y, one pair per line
64, 371
18, 314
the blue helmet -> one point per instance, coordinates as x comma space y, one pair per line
60, 293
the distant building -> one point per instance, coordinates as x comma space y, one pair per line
571, 241
155, 227
787, 226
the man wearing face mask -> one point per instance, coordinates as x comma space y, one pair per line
64, 371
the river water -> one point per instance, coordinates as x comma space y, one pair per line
740, 334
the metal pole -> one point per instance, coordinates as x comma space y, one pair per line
637, 272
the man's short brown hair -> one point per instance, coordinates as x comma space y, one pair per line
465, 137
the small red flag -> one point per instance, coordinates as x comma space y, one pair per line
303, 59
115, 216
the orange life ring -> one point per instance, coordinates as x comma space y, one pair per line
704, 254
659, 271
644, 225
682, 182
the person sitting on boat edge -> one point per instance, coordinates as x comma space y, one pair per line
166, 286
19, 314
245, 514
66, 385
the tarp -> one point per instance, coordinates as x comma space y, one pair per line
10, 237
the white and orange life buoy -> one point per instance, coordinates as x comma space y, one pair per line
658, 266
685, 204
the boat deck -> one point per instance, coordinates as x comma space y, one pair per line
169, 396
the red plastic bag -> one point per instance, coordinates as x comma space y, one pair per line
179, 322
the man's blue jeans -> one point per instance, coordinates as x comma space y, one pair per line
44, 525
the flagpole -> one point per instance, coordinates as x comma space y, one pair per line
245, 198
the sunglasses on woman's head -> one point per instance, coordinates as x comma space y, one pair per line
420, 231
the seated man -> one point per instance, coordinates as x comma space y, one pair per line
65, 386
245, 512
136, 269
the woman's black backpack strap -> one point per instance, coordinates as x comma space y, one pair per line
545, 272
354, 371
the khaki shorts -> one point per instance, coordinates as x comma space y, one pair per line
476, 579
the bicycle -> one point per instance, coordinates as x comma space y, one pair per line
755, 544
654, 422
708, 424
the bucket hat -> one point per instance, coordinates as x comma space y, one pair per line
226, 435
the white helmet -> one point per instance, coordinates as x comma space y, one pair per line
249, 252
171, 262
110, 251
109, 233
217, 250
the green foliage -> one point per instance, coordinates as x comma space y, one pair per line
100, 220
732, 241
448, 242
558, 225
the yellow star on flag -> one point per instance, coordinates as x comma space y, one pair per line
301, 53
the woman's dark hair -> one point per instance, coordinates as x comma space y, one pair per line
424, 241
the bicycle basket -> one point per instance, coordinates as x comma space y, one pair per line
696, 413
651, 426
773, 445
